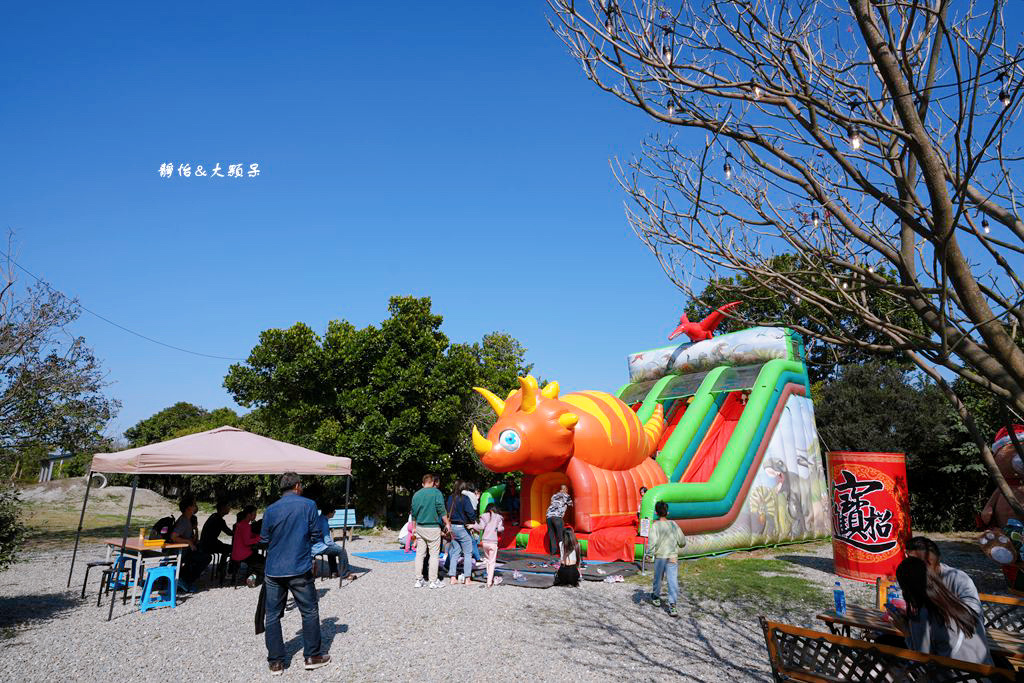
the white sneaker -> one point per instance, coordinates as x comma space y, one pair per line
420, 583
438, 583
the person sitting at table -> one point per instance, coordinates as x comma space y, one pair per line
194, 559
209, 539
509, 501
244, 543
328, 547
957, 581
936, 621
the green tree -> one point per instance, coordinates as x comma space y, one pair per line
178, 420
392, 397
51, 392
51, 384
12, 530
181, 419
883, 407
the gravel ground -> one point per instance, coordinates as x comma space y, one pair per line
380, 627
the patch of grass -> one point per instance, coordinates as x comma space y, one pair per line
766, 582
53, 527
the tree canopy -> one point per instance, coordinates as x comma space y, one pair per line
51, 392
178, 420
884, 407
51, 384
395, 397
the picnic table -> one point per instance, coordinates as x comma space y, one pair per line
140, 552
872, 621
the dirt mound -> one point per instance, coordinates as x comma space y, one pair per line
69, 492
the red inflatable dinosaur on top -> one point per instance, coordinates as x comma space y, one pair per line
705, 328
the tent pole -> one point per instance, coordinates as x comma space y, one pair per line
78, 534
344, 533
124, 540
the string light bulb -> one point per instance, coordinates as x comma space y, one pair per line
984, 226
815, 219
670, 107
1004, 98
757, 92
609, 25
856, 141
727, 170
666, 55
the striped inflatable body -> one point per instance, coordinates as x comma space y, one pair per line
589, 440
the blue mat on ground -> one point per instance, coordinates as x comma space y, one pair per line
388, 556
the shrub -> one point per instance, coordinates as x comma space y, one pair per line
12, 531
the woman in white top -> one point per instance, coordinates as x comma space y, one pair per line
936, 621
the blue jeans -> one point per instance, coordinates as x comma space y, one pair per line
461, 545
304, 592
333, 552
671, 572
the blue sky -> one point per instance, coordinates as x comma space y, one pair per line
452, 151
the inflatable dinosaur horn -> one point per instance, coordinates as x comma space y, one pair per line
529, 386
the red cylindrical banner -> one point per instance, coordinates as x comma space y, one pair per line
870, 513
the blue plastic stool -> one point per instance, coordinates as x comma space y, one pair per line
152, 576
117, 578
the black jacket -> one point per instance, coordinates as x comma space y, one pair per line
462, 512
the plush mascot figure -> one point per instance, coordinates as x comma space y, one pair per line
997, 511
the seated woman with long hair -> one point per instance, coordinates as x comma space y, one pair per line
570, 555
936, 621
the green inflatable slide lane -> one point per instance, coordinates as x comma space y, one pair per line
716, 496
491, 495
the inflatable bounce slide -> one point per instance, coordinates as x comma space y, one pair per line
721, 429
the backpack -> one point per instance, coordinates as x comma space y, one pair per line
162, 529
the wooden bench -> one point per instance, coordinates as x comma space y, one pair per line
999, 611
1003, 612
800, 654
342, 519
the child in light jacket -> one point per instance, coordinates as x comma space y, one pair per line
663, 543
491, 523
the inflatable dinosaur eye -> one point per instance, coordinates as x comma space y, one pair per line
509, 440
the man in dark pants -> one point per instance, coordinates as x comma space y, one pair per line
290, 529
556, 518
209, 539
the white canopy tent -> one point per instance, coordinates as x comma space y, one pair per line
224, 450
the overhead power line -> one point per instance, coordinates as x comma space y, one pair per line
108, 320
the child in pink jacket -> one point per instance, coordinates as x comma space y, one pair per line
491, 523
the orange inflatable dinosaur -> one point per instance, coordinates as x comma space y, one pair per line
589, 440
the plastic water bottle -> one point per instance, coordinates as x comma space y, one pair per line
894, 596
840, 597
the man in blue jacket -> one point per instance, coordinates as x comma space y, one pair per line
290, 530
